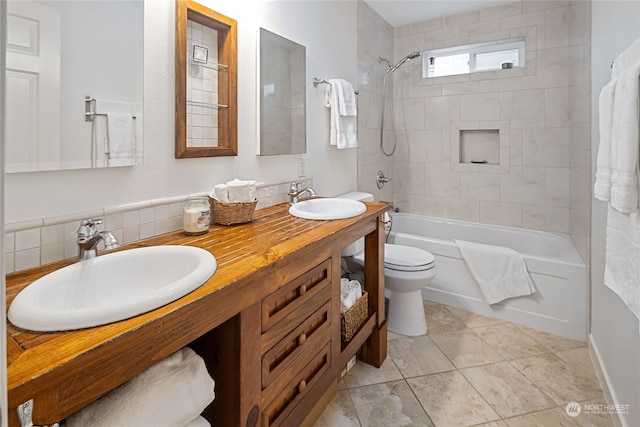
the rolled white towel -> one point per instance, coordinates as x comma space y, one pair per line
242, 191
198, 422
170, 393
220, 193
350, 293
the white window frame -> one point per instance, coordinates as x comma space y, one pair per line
473, 50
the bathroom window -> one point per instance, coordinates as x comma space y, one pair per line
487, 56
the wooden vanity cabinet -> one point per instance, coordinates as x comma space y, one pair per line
267, 325
297, 318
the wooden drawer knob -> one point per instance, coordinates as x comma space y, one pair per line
302, 338
303, 290
302, 386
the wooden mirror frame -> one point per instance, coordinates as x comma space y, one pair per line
227, 87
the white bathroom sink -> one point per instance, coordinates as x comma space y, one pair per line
327, 208
111, 287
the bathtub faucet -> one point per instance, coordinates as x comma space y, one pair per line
393, 208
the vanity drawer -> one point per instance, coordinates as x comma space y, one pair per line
313, 332
281, 303
280, 399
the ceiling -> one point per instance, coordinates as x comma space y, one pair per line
402, 12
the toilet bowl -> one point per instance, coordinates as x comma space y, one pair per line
406, 271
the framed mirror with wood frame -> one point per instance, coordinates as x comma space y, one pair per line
206, 82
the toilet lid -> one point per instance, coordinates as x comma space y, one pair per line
407, 258
403, 258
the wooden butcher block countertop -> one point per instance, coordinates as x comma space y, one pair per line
64, 371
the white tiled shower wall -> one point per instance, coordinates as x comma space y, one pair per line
375, 39
545, 182
34, 243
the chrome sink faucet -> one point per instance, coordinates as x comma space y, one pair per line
89, 237
295, 193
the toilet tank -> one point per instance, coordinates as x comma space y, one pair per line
358, 245
357, 195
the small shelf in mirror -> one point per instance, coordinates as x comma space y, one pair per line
206, 82
216, 67
206, 104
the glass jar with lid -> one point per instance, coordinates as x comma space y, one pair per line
197, 214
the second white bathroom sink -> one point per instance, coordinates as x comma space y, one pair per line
327, 208
111, 287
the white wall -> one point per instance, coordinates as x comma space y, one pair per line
614, 329
331, 53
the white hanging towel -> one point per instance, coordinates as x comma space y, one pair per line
114, 134
622, 258
602, 186
501, 272
617, 175
625, 137
173, 392
339, 96
121, 139
99, 142
622, 247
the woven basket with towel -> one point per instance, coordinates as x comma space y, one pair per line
233, 202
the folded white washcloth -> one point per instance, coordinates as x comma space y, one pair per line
501, 272
170, 393
625, 140
220, 193
198, 422
242, 191
343, 131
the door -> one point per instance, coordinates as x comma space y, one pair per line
32, 84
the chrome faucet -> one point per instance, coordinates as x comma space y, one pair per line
89, 237
295, 193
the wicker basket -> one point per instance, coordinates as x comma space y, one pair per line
232, 213
353, 318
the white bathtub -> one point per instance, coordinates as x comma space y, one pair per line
560, 304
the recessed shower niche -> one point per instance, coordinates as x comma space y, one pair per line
480, 147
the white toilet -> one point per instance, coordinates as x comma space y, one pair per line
406, 271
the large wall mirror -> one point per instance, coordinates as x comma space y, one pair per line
206, 82
282, 95
74, 84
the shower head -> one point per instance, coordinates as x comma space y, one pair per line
412, 55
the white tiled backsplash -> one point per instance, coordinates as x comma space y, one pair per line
34, 243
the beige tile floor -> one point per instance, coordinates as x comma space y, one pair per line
471, 370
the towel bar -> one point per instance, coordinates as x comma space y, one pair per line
90, 109
317, 81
